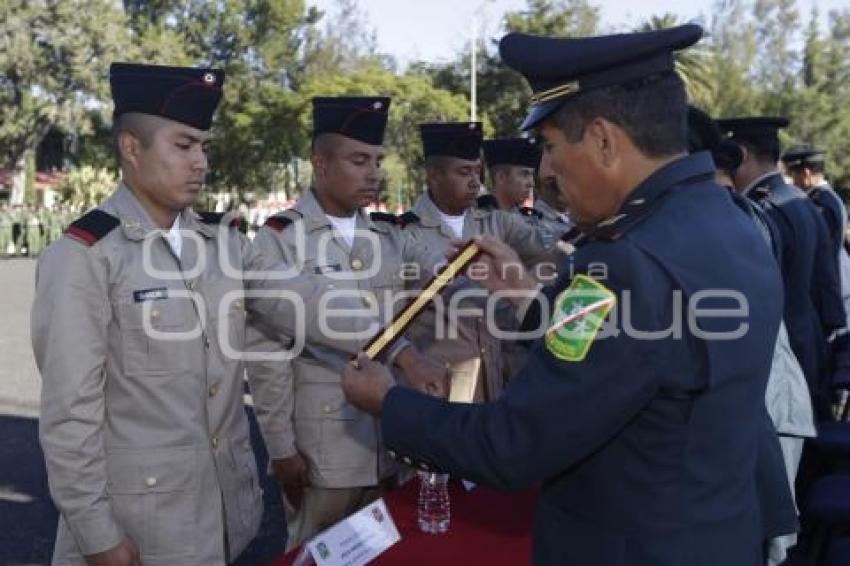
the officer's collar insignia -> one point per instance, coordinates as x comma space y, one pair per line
580, 311
761, 192
610, 221
570, 240
567, 248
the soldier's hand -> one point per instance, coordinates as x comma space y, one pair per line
423, 373
366, 383
125, 553
499, 268
291, 472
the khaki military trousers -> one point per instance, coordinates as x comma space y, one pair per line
322, 507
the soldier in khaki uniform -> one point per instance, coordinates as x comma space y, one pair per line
447, 212
511, 163
137, 323
327, 455
511, 166
554, 219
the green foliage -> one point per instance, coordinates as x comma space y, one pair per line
759, 57
415, 100
87, 186
54, 57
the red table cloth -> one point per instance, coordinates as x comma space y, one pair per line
487, 527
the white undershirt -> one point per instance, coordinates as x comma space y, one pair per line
344, 227
173, 237
454, 223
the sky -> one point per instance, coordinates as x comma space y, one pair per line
435, 30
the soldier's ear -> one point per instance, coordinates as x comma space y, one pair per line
745, 153
606, 139
129, 147
319, 164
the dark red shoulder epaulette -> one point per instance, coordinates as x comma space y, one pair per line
528, 211
384, 217
92, 226
408, 218
280, 221
218, 218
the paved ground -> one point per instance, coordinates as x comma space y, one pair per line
27, 515
19, 382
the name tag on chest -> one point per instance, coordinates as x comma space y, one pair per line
156, 294
322, 269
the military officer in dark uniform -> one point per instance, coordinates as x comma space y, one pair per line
805, 165
813, 305
644, 435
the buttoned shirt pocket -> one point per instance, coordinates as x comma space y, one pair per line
153, 495
334, 431
155, 335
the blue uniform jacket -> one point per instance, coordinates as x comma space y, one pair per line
834, 214
647, 449
813, 303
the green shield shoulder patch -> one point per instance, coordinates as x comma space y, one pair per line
580, 310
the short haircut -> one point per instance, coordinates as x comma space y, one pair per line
652, 111
764, 149
140, 126
325, 144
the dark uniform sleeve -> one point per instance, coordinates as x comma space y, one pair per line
555, 412
827, 282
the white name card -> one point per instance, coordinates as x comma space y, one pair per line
357, 539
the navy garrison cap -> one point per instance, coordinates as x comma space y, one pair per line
704, 135
452, 139
559, 67
803, 156
753, 128
183, 94
524, 152
363, 118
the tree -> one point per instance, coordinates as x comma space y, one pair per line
731, 50
691, 64
86, 187
503, 96
415, 100
54, 58
259, 44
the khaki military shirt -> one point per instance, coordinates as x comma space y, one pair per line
551, 224
142, 421
468, 345
300, 404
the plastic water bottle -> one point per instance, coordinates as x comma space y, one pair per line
433, 511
